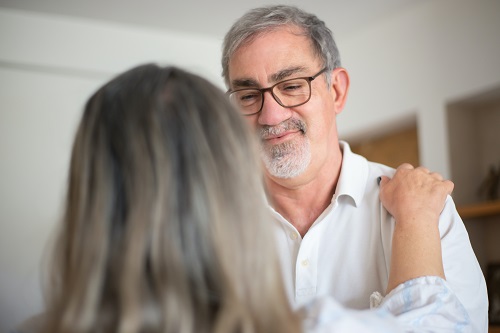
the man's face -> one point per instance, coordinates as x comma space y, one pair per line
291, 137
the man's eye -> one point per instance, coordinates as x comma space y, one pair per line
248, 97
292, 86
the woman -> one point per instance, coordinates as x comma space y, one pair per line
165, 227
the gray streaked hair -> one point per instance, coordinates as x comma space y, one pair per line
165, 227
262, 19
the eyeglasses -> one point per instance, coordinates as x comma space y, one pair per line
288, 93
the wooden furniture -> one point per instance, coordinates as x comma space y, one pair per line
494, 329
482, 209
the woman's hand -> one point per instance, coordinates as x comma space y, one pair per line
414, 194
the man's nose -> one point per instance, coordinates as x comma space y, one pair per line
272, 112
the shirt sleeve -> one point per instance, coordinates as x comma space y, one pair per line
461, 268
427, 304
424, 304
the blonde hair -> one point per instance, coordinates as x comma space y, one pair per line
165, 227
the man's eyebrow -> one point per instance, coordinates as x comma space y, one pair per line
285, 73
281, 75
244, 83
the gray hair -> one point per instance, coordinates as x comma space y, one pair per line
165, 226
262, 19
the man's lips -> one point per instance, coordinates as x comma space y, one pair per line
277, 138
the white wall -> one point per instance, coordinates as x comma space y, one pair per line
413, 63
417, 62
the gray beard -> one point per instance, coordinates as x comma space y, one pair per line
288, 159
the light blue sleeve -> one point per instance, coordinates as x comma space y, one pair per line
425, 304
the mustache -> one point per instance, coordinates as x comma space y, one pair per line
289, 124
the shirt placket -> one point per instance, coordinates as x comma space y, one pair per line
306, 267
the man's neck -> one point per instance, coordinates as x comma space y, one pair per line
302, 200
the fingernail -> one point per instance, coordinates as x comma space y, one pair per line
379, 179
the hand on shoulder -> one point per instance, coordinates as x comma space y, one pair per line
414, 193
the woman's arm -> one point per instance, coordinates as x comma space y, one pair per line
415, 198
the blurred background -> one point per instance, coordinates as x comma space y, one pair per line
425, 78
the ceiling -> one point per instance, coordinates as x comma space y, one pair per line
213, 17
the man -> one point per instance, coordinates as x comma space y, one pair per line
283, 71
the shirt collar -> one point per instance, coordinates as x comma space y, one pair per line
353, 175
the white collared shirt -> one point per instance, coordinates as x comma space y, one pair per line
346, 252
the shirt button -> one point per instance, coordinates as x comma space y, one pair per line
305, 263
293, 235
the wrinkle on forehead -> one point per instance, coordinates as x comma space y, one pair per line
291, 65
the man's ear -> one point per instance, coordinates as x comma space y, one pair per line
340, 88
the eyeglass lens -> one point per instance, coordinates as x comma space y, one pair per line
287, 93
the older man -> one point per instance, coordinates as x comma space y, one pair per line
283, 71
